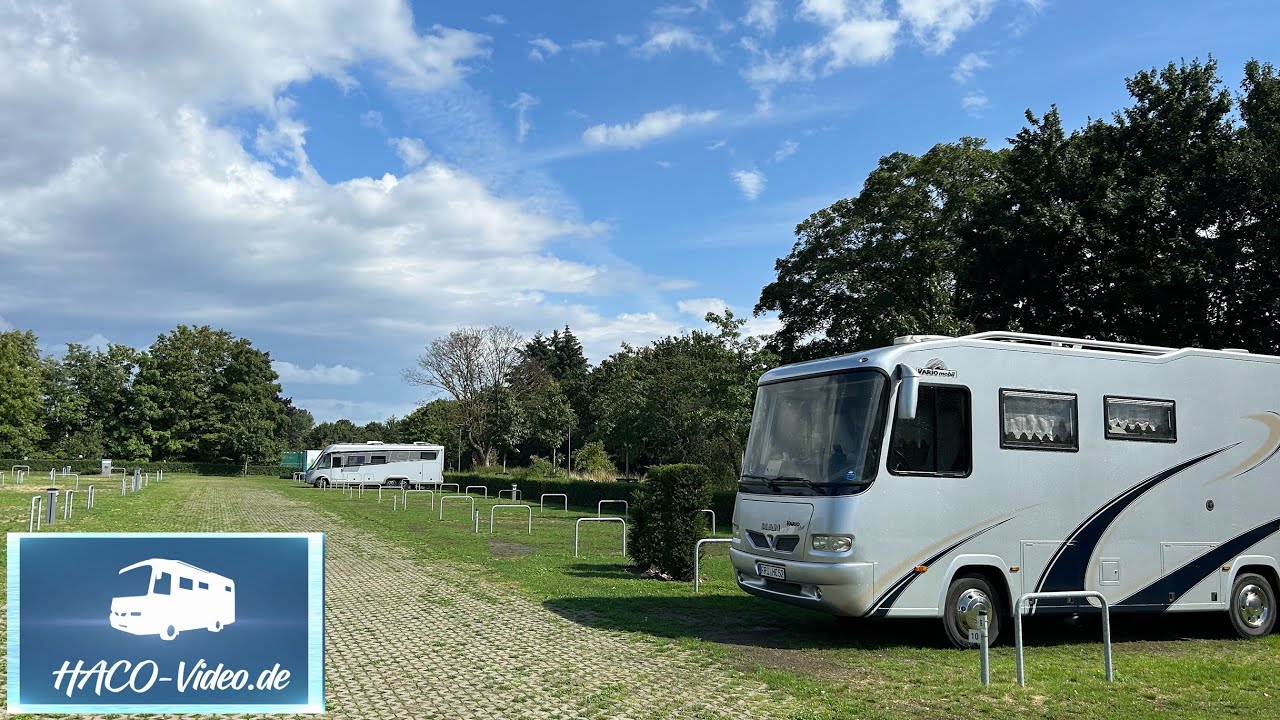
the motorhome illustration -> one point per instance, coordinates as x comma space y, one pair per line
178, 597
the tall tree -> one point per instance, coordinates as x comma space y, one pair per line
21, 394
882, 263
468, 364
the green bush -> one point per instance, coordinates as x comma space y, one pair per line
665, 522
591, 460
540, 467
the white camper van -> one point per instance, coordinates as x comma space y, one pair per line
178, 597
941, 477
375, 463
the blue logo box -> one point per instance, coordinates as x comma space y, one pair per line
166, 623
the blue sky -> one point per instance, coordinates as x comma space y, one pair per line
345, 181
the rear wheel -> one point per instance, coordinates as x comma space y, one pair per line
967, 598
170, 632
1253, 606
404, 483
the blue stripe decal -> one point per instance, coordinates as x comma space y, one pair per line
1069, 566
1180, 581
882, 606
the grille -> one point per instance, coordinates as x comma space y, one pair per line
786, 543
783, 587
758, 539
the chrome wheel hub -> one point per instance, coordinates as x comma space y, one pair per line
1252, 606
968, 605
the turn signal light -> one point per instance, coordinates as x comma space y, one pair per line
832, 543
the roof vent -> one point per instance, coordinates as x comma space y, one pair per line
1240, 351
373, 442
909, 339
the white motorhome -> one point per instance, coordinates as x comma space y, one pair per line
944, 477
178, 597
375, 463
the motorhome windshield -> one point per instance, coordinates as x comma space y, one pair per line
137, 582
816, 435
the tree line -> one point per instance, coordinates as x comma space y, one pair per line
1159, 225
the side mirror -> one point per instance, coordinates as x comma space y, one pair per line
908, 392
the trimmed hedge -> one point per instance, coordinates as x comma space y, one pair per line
665, 522
582, 493
93, 467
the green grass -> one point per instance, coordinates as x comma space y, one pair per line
1184, 666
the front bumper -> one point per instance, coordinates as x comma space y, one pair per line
838, 588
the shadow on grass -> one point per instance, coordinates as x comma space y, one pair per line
749, 621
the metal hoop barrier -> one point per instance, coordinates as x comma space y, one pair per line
578, 525
713, 519
697, 555
513, 495
485, 488
123, 480
66, 507
456, 487
1106, 627
88, 499
626, 507
404, 497
37, 509
544, 497
384, 487
77, 477
468, 498
526, 507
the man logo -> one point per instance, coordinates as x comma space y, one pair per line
936, 368
178, 597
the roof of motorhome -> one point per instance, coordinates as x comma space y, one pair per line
175, 567
381, 447
886, 358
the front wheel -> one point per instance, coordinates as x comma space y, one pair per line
404, 484
968, 597
1253, 606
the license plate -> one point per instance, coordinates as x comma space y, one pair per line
775, 572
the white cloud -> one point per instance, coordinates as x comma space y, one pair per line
750, 182
826, 12
968, 66
5, 325
358, 412
716, 145
96, 341
785, 150
674, 11
624, 40
523, 104
652, 126
372, 119
118, 158
935, 23
668, 38
495, 19
589, 45
975, 102
762, 15
699, 307
543, 46
410, 150
664, 164
317, 374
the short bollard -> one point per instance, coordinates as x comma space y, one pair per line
53, 476
123, 482
51, 509
33, 520
1020, 607
544, 497
697, 558
496, 507
578, 525
475, 515
626, 507
88, 499
66, 506
984, 644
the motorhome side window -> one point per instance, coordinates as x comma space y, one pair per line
1034, 420
1138, 419
337, 461
378, 460
428, 454
936, 441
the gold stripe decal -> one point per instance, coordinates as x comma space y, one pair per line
1262, 454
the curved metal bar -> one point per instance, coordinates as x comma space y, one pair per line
485, 488
404, 497
626, 507
526, 507
713, 519
1020, 608
468, 498
578, 525
697, 556
66, 506
544, 497
37, 509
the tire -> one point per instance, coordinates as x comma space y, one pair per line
215, 626
322, 483
1252, 606
404, 483
965, 596
170, 632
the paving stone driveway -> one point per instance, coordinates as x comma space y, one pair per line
412, 639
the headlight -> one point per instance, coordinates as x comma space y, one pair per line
832, 543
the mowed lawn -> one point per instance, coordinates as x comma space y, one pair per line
1183, 666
